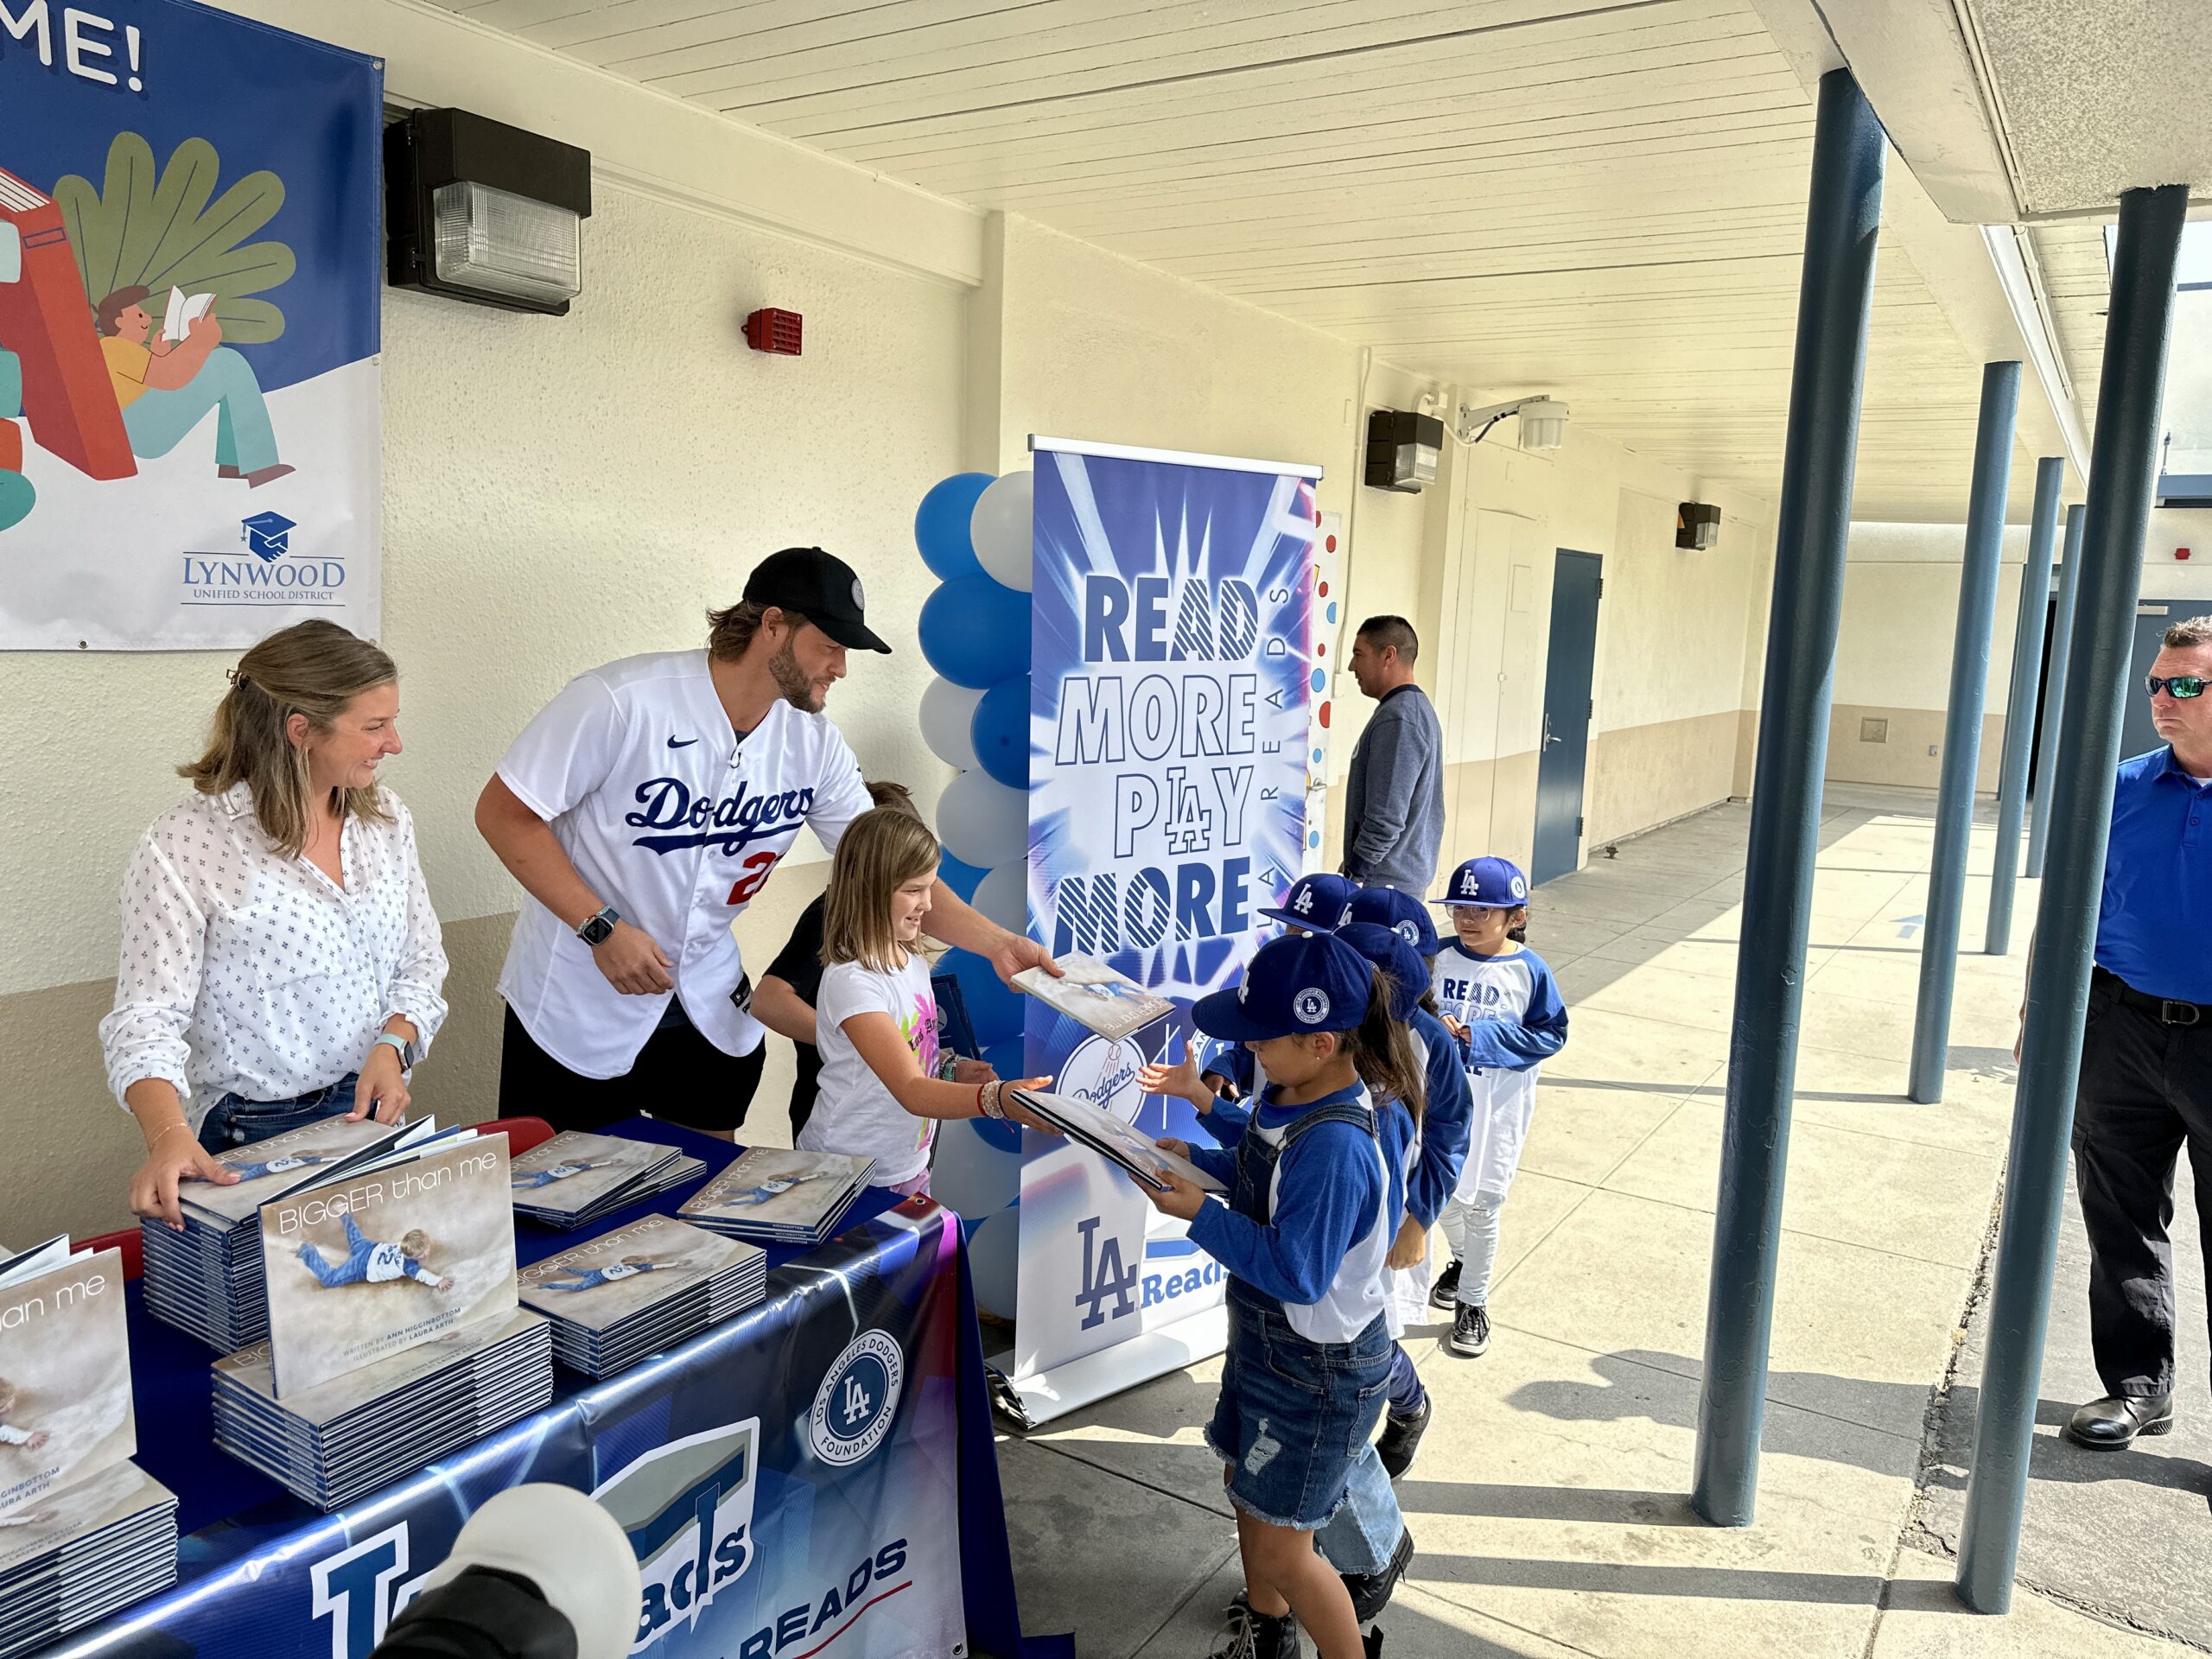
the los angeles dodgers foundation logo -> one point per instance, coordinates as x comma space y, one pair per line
858, 1399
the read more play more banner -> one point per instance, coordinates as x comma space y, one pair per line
1171, 677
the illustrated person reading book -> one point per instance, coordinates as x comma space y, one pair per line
775, 1187
371, 1263
628, 1268
558, 1172
278, 1165
30, 1439
166, 387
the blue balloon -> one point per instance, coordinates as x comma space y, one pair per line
993, 1007
975, 632
961, 878
18, 495
941, 526
999, 731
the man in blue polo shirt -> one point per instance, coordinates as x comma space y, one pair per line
2146, 1051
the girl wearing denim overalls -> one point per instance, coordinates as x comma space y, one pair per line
1314, 1202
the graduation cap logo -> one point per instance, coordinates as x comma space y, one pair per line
268, 535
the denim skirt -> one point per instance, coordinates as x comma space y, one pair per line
234, 1122
1294, 1415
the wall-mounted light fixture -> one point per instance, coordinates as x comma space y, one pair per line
1543, 421
1697, 525
1402, 450
484, 212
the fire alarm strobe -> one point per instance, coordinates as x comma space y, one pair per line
773, 331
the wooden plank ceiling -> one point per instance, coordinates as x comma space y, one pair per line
1601, 201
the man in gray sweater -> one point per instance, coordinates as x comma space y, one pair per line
1394, 799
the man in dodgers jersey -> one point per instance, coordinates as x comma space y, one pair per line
642, 810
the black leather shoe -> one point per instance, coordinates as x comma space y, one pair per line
2111, 1424
1371, 1592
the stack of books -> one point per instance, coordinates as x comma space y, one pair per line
83, 1531
781, 1198
342, 1439
640, 1290
574, 1179
393, 1327
206, 1280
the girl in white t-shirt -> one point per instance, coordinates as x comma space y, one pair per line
875, 1020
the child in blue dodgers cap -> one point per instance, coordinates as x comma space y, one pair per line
1220, 1072
1368, 1540
1499, 998
1313, 1205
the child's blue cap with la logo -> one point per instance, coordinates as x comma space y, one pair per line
1407, 968
1293, 985
1315, 901
1402, 912
1487, 884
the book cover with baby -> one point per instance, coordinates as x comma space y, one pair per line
65, 1379
1094, 997
296, 1157
385, 1258
770, 1187
624, 1273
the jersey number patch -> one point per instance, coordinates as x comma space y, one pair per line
748, 885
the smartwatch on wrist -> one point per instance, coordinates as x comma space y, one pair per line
596, 930
409, 1056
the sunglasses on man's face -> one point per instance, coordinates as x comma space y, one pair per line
2183, 686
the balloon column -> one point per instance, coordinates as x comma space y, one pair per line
973, 533
1326, 578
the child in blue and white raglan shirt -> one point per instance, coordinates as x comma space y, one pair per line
1498, 998
1312, 1205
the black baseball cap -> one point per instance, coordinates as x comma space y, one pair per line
821, 588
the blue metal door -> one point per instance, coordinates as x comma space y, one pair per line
2153, 618
1572, 656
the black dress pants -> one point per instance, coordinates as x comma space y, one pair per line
2146, 1090
679, 1077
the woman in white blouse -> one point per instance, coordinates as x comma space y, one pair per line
281, 962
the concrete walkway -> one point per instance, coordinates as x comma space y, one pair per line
1548, 1502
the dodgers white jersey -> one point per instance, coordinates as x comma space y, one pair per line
1512, 1005
678, 825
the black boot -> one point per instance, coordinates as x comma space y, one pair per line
1401, 1439
1255, 1635
1371, 1592
2111, 1423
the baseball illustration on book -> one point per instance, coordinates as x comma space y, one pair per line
1122, 1144
304, 1155
386, 1257
190, 273
641, 1289
65, 1376
576, 1178
1094, 997
784, 1197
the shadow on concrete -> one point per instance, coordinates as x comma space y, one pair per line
1597, 1505
1613, 1579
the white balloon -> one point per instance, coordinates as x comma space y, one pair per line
1004, 896
1000, 529
972, 1176
982, 822
948, 714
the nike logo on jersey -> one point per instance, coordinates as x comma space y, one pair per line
681, 742
729, 823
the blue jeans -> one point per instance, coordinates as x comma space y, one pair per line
1361, 1537
234, 1122
157, 421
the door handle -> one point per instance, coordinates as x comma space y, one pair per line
1549, 739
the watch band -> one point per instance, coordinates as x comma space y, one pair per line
400, 1044
593, 929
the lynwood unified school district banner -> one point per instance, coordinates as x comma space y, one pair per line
190, 272
1171, 679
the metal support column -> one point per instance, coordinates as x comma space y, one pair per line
2020, 703
2054, 691
1812, 527
1947, 878
2122, 464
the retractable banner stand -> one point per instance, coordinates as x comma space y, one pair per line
190, 272
1172, 678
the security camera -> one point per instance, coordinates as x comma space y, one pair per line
1543, 421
